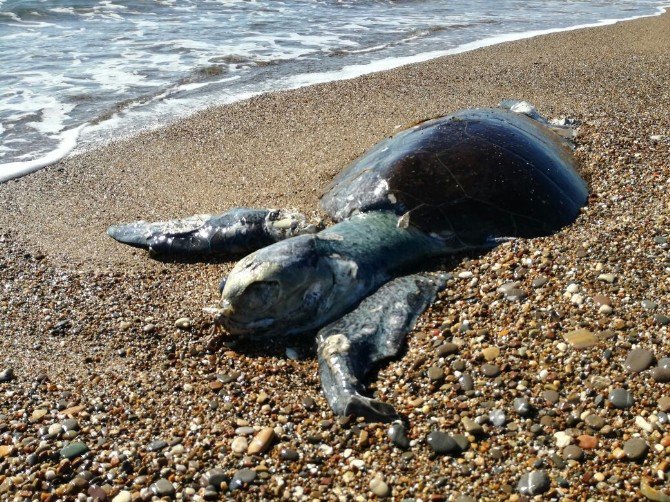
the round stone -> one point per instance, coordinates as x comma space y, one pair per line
379, 488
638, 360
471, 427
215, 477
497, 417
242, 477
6, 375
490, 353
596, 422
435, 373
289, 454
601, 300
157, 445
522, 406
239, 444
533, 483
573, 452
55, 429
183, 323
648, 304
490, 370
551, 396
621, 398
398, 435
163, 488
664, 403
441, 442
446, 349
635, 448
660, 374
587, 442
73, 450
661, 320
123, 496
538, 282
466, 382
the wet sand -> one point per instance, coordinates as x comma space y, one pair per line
86, 322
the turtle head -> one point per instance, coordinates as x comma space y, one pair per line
283, 288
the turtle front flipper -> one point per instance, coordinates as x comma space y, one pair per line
240, 230
349, 348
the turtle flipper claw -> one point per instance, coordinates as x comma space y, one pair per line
375, 330
370, 409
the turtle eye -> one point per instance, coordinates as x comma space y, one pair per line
259, 296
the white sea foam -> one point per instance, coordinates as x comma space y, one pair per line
68, 140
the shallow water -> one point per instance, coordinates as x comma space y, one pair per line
78, 72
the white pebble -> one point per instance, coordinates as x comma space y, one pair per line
572, 288
605, 309
643, 424
562, 439
466, 274
577, 299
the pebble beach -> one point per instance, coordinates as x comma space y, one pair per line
542, 371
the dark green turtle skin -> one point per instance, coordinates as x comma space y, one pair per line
467, 181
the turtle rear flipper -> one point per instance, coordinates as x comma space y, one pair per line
566, 128
240, 230
351, 346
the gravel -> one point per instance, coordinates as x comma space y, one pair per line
90, 328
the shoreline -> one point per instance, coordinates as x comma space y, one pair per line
68, 145
91, 331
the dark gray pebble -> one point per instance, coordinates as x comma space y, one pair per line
573, 452
163, 488
648, 304
660, 374
490, 370
214, 478
157, 445
289, 454
621, 398
6, 375
73, 450
538, 282
522, 406
446, 349
638, 360
441, 442
466, 382
398, 435
458, 365
661, 320
241, 478
551, 396
596, 422
308, 403
636, 448
533, 483
461, 441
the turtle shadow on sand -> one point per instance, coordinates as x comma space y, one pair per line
461, 183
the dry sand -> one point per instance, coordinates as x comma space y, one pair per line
86, 322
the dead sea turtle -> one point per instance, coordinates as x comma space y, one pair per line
466, 181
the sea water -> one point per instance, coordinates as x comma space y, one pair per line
75, 73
